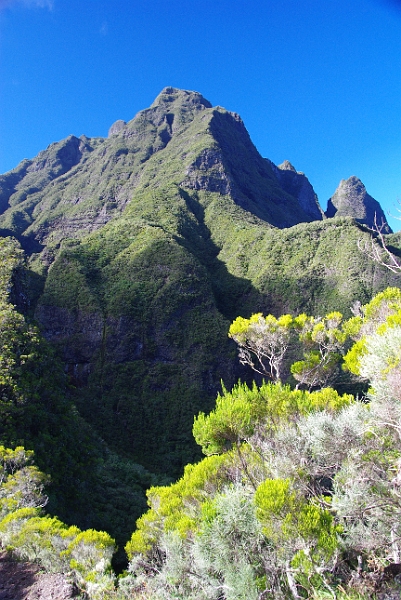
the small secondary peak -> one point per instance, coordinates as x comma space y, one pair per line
287, 166
352, 200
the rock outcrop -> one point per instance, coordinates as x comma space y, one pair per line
352, 200
298, 185
20, 580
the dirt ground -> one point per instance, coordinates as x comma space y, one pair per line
25, 581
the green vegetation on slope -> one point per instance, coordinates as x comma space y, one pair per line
85, 556
299, 494
36, 410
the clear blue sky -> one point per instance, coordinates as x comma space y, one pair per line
317, 83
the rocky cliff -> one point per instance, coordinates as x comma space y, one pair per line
298, 185
352, 200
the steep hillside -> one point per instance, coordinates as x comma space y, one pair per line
37, 410
145, 245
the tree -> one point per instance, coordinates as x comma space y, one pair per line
21, 484
322, 341
265, 338
377, 248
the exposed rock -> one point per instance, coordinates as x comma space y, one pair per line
25, 581
297, 184
190, 99
60, 157
117, 127
232, 165
207, 173
287, 166
352, 200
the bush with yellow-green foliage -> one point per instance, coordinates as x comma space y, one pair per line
264, 344
213, 523
240, 412
32, 535
380, 318
177, 507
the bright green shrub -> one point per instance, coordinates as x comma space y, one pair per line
304, 534
381, 313
90, 552
12, 524
41, 539
239, 411
177, 507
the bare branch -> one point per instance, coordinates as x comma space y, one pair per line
379, 252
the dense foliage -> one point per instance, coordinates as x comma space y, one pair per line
140, 250
89, 485
299, 495
32, 535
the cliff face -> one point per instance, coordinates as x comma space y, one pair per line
142, 248
352, 200
297, 184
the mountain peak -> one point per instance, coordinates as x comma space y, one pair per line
287, 166
352, 200
353, 185
170, 95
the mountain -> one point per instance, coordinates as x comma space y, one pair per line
78, 185
142, 247
352, 200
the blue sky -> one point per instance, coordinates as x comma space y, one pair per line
317, 83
